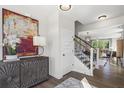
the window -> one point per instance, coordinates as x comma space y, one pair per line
100, 44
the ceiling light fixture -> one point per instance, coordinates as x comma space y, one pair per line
87, 38
102, 17
65, 7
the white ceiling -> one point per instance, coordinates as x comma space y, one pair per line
111, 32
35, 11
87, 14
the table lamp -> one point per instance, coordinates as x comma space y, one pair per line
39, 41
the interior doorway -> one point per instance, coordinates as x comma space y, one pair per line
109, 41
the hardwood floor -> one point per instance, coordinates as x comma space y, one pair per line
109, 76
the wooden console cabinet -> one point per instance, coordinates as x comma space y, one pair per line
120, 48
24, 73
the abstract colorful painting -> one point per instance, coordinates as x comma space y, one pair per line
18, 32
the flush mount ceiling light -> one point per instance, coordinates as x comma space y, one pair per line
87, 38
102, 17
65, 7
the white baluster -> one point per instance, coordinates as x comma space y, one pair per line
97, 62
91, 61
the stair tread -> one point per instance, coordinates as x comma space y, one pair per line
89, 66
86, 61
78, 54
83, 57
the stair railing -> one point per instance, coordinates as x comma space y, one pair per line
85, 51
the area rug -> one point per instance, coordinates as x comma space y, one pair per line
72, 83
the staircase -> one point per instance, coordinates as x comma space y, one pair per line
86, 54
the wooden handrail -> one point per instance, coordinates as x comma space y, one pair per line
81, 44
84, 41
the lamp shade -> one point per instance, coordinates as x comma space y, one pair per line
39, 41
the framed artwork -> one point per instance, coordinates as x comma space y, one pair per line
18, 32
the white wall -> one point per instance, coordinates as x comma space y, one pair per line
78, 25
66, 27
43, 31
1, 53
60, 33
80, 67
54, 46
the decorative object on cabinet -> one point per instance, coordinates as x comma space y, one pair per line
18, 33
40, 42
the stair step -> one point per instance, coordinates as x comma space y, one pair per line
78, 54
78, 51
81, 58
89, 66
86, 62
